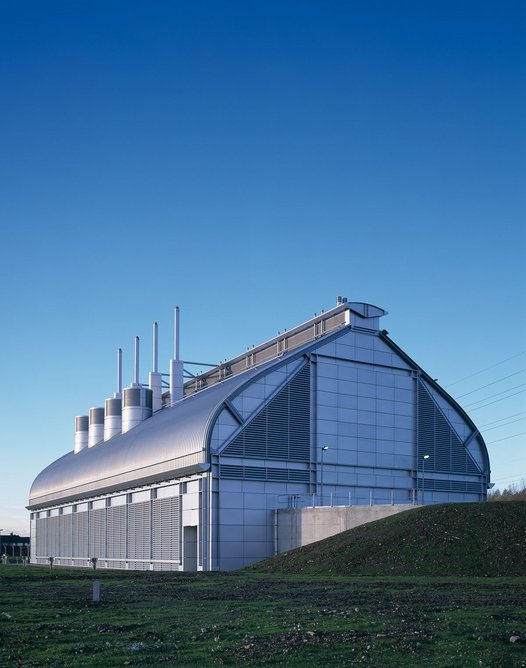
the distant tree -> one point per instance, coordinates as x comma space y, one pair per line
513, 492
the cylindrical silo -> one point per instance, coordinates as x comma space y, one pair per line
81, 432
136, 406
96, 426
112, 417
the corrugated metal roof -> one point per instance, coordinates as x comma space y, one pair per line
169, 444
172, 441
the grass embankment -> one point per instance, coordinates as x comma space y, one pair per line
477, 539
148, 619
47, 617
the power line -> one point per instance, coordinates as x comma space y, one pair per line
471, 410
486, 369
505, 424
501, 419
489, 384
507, 438
497, 394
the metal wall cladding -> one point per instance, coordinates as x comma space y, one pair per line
166, 529
116, 546
437, 438
263, 473
80, 535
281, 430
454, 486
66, 535
40, 548
135, 534
139, 530
53, 541
97, 533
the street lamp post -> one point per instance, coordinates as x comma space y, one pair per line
323, 449
424, 475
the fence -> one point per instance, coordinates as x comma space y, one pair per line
372, 497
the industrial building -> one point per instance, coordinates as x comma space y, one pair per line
191, 476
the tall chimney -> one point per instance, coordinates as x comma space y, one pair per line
136, 400
155, 378
176, 366
113, 405
136, 362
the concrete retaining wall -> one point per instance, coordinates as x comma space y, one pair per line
301, 526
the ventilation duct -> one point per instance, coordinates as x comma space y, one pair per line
113, 406
176, 366
155, 379
137, 400
96, 426
81, 432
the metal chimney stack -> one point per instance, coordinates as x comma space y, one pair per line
176, 366
81, 432
155, 378
96, 426
137, 400
113, 405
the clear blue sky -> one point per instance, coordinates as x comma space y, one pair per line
250, 161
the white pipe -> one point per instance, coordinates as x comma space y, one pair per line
155, 378
119, 372
176, 366
176, 333
136, 366
155, 347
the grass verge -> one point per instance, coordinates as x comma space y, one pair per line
47, 618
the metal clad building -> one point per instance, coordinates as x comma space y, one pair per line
330, 412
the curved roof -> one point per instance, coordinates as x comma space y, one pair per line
171, 442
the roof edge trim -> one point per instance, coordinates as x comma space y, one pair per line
118, 487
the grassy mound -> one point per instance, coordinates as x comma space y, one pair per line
477, 539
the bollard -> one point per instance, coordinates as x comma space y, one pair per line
96, 591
